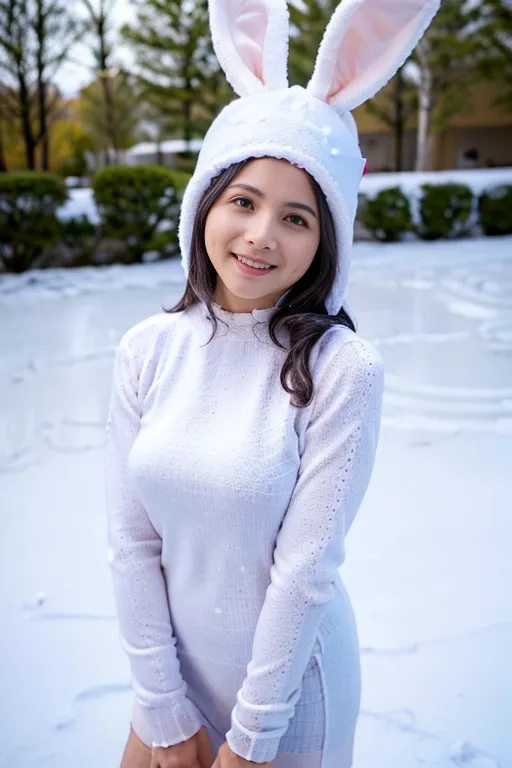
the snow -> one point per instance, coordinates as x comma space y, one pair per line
428, 559
82, 202
478, 179
170, 146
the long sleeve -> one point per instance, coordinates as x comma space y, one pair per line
134, 555
336, 463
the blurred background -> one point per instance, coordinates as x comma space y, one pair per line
103, 106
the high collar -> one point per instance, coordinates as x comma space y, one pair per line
235, 325
241, 325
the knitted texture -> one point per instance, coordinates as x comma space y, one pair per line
227, 512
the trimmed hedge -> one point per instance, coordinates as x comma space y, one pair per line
134, 203
387, 216
28, 216
444, 211
495, 210
139, 207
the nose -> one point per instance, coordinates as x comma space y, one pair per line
260, 233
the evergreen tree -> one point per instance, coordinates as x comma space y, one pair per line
307, 26
447, 61
176, 66
393, 107
495, 56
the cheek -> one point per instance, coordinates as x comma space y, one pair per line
302, 257
217, 231
211, 233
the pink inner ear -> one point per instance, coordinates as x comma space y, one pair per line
248, 27
374, 31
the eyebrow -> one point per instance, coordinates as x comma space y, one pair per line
259, 193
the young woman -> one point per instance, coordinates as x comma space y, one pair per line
244, 422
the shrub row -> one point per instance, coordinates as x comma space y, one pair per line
138, 209
444, 211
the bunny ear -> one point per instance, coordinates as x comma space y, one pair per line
364, 44
250, 38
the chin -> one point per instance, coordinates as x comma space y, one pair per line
244, 291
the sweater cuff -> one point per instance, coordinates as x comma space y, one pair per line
249, 738
256, 747
173, 721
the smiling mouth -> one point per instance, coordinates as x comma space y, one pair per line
253, 267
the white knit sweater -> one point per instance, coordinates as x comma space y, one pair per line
227, 510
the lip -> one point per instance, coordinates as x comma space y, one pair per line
254, 258
251, 271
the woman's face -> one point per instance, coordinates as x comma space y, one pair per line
267, 212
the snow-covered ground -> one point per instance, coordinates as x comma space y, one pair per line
429, 563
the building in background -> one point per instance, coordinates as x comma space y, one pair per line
165, 153
480, 137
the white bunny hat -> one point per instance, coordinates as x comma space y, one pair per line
364, 44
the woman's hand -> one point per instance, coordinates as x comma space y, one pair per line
196, 752
226, 758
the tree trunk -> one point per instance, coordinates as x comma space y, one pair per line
110, 114
43, 126
399, 120
46, 150
108, 96
28, 136
3, 161
425, 108
187, 115
41, 33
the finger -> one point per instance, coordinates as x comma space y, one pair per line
204, 750
205, 754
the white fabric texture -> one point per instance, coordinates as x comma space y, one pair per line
227, 511
282, 759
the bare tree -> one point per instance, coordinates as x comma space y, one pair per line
56, 32
15, 66
3, 120
36, 37
100, 22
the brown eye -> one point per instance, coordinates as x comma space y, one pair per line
237, 199
301, 221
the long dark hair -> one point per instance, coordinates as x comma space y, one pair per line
304, 316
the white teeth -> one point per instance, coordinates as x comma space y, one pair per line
253, 263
